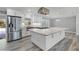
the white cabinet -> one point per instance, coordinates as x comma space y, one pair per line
25, 32
45, 42
14, 12
43, 20
18, 13
54, 38
11, 12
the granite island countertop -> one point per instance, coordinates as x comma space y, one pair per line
48, 31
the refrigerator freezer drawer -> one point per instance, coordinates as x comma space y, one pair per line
16, 35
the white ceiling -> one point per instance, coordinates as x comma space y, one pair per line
26, 9
54, 11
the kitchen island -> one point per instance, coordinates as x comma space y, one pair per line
47, 38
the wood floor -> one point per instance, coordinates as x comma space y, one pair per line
69, 43
24, 44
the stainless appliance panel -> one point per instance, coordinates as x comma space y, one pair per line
13, 28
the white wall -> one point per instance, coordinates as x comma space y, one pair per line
67, 22
77, 22
62, 12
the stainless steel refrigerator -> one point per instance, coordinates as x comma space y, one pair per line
14, 31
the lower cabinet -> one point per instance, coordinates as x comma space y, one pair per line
25, 32
45, 42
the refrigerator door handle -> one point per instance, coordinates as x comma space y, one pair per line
12, 25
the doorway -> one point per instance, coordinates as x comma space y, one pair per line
3, 33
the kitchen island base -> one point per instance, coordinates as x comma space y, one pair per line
45, 42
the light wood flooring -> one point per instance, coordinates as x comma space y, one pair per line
69, 43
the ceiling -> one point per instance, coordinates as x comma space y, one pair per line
54, 11
32, 9
24, 9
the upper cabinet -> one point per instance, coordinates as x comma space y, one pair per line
14, 12
11, 12
17, 13
41, 20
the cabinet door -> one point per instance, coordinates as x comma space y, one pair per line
18, 14
45, 22
11, 12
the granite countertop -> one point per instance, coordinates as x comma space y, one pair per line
48, 31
